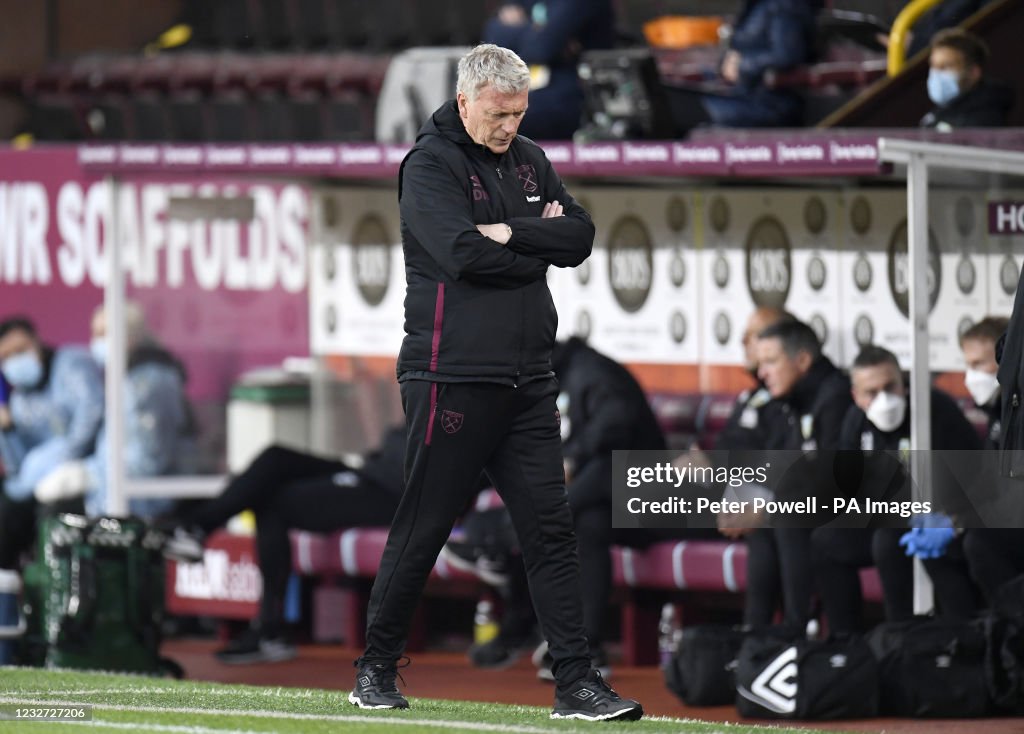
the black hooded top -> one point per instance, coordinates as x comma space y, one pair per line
986, 104
474, 309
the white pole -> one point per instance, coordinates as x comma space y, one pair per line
113, 303
920, 375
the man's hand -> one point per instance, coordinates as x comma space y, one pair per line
500, 232
731, 66
5, 417
735, 525
70, 479
551, 210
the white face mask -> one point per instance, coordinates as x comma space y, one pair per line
98, 347
887, 411
982, 386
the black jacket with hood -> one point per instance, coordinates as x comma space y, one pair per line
986, 104
474, 309
607, 409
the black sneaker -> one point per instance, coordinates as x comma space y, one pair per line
591, 699
251, 647
184, 544
376, 688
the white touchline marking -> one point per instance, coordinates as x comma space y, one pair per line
341, 718
256, 692
135, 726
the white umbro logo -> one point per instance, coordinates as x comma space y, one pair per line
533, 199
583, 694
364, 681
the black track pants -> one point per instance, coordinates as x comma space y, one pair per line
455, 431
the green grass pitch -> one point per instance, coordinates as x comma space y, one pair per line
124, 703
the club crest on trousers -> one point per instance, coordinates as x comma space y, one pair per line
451, 421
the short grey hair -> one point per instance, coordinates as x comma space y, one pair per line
492, 65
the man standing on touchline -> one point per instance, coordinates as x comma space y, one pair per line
483, 215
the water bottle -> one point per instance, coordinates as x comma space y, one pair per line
813, 628
485, 624
668, 635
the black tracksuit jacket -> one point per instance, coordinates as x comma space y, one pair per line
474, 309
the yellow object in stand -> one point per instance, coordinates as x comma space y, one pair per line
897, 56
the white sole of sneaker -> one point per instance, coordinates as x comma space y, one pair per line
487, 576
355, 700
629, 713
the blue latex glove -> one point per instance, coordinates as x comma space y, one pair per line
927, 542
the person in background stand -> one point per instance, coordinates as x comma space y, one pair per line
957, 85
159, 429
53, 415
769, 35
550, 35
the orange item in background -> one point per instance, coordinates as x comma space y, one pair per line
680, 31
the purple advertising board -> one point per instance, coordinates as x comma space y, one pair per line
226, 296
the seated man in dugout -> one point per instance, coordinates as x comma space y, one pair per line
879, 421
159, 427
288, 489
52, 414
813, 397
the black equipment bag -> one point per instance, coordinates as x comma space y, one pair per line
1004, 648
702, 672
779, 677
931, 668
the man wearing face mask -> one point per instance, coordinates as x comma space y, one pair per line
55, 412
879, 421
963, 97
994, 555
159, 430
978, 345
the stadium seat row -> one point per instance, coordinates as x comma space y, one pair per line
339, 24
